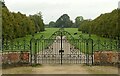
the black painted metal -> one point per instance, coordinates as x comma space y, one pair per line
61, 48
61, 51
64, 50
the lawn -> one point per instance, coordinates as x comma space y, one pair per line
47, 33
99, 43
23, 44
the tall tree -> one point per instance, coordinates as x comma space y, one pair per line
15, 25
106, 25
64, 21
38, 22
78, 21
52, 24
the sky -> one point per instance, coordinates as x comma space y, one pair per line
53, 9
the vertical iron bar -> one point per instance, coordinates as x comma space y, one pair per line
87, 52
35, 55
92, 52
42, 43
31, 51
24, 44
61, 48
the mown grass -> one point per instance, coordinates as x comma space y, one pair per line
47, 33
23, 44
85, 44
75, 30
103, 44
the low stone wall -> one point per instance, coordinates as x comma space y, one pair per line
103, 57
15, 57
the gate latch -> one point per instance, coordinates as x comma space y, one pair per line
61, 51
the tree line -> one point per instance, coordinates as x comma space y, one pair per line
15, 25
106, 25
66, 22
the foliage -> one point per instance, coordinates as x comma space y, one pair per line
17, 25
52, 24
64, 21
38, 21
78, 21
106, 25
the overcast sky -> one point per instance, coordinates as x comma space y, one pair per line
53, 9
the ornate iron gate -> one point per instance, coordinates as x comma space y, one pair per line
61, 48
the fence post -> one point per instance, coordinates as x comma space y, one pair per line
89, 50
92, 52
35, 54
31, 52
31, 49
87, 56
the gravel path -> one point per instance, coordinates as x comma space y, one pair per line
58, 69
64, 69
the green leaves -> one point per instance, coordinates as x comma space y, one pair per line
17, 25
38, 22
64, 21
105, 25
78, 21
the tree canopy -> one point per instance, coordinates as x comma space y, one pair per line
52, 24
64, 21
17, 25
106, 25
78, 21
